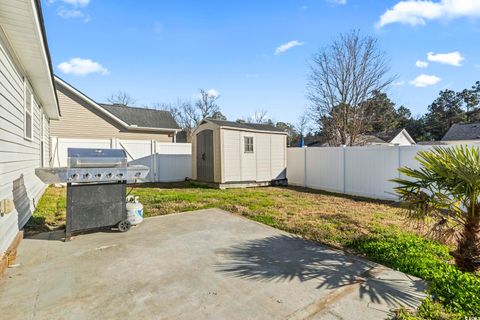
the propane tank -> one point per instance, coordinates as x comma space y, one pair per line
134, 210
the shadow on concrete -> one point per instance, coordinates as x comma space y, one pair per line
286, 258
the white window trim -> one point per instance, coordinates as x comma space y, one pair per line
26, 91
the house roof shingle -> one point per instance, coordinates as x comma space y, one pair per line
388, 136
463, 131
142, 117
245, 125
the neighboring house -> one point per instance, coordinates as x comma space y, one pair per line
397, 137
83, 118
238, 154
27, 104
462, 133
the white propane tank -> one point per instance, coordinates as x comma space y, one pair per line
134, 210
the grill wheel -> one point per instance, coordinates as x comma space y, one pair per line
124, 225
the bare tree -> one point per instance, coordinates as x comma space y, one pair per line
184, 113
260, 116
302, 124
342, 77
206, 103
121, 98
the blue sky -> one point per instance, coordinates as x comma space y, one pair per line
159, 51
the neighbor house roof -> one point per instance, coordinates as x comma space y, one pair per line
245, 125
142, 117
388, 135
132, 119
463, 131
372, 138
22, 23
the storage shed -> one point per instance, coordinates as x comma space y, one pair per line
238, 154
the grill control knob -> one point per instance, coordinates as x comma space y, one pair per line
87, 175
120, 175
98, 175
74, 176
109, 175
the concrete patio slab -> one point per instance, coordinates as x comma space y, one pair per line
207, 264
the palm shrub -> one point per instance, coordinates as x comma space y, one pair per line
446, 188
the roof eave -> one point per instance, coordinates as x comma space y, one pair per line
253, 130
33, 56
133, 128
239, 129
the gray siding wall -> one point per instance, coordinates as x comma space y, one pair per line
18, 156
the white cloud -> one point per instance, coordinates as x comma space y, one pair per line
398, 83
70, 13
213, 93
82, 67
452, 58
421, 64
287, 46
425, 80
76, 3
340, 2
415, 12
71, 9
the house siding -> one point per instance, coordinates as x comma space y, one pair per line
18, 156
81, 120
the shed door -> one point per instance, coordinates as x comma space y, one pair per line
205, 156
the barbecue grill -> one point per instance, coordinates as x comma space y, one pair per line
96, 187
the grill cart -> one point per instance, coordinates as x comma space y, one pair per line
96, 188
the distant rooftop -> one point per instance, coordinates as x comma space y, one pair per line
463, 131
142, 117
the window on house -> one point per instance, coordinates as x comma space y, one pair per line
28, 123
248, 144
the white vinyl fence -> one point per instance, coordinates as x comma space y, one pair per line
168, 162
362, 171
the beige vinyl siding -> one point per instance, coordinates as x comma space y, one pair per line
263, 156
18, 156
249, 161
232, 160
267, 162
279, 156
81, 120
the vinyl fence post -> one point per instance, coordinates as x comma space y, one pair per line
305, 184
344, 169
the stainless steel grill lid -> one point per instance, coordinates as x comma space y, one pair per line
96, 158
94, 166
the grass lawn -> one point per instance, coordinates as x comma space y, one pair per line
328, 218
376, 229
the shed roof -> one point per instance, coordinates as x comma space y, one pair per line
142, 117
246, 125
463, 131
